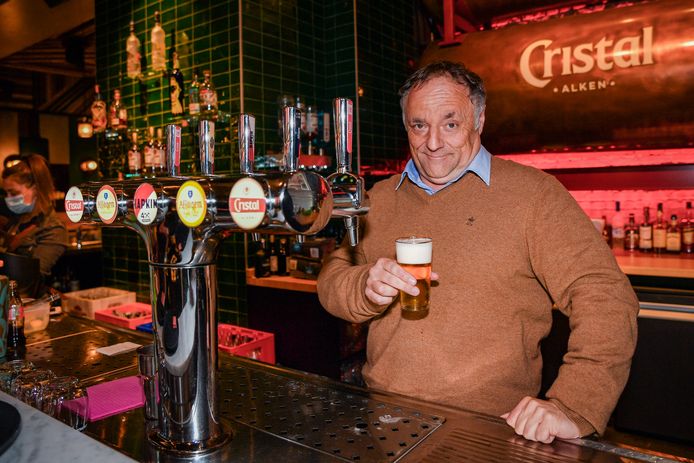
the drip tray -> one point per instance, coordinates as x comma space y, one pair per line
347, 426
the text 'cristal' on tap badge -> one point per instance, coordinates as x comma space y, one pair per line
247, 203
145, 204
106, 204
74, 204
191, 203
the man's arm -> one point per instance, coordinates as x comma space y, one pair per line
577, 268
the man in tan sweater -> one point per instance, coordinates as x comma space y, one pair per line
509, 242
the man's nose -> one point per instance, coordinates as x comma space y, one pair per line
434, 141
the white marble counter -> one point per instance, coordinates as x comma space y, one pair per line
44, 439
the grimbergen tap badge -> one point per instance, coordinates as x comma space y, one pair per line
543, 59
247, 203
74, 204
191, 203
145, 204
106, 204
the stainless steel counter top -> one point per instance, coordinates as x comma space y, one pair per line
284, 415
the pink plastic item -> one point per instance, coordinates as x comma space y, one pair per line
245, 342
113, 397
114, 316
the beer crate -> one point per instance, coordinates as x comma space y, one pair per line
87, 301
245, 342
127, 316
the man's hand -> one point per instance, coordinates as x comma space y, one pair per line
540, 420
386, 278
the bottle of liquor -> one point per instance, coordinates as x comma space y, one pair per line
176, 88
208, 96
606, 231
673, 236
159, 158
262, 260
117, 113
16, 341
194, 96
132, 48
631, 235
158, 43
282, 257
274, 264
98, 108
687, 227
646, 232
617, 227
134, 157
659, 231
149, 153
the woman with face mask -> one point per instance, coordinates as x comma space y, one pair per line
32, 227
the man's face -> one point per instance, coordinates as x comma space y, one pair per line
440, 123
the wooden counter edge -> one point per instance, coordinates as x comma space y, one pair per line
277, 282
654, 265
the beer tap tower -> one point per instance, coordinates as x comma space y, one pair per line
182, 221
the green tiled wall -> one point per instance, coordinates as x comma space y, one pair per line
270, 48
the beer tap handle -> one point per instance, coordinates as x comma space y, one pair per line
206, 140
342, 117
291, 125
247, 143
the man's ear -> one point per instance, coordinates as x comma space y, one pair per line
481, 122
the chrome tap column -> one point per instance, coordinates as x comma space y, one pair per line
349, 196
183, 221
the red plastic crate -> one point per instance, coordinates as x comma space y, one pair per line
109, 315
249, 343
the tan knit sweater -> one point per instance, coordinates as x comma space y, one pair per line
505, 253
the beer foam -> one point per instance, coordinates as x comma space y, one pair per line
413, 251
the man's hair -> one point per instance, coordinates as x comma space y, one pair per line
454, 71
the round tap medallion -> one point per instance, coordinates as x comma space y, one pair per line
145, 204
74, 204
106, 204
247, 203
191, 203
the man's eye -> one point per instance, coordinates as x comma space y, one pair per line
452, 125
418, 126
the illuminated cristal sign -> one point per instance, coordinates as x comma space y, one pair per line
74, 204
145, 204
635, 50
247, 203
106, 204
191, 203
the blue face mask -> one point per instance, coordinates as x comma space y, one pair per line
17, 206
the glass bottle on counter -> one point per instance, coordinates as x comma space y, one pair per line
132, 49
149, 153
118, 114
617, 227
16, 341
194, 96
631, 235
262, 260
646, 232
687, 227
659, 231
98, 109
176, 89
134, 157
606, 231
673, 237
159, 156
208, 96
282, 256
274, 258
158, 43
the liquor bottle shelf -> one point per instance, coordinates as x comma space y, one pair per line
281, 282
665, 265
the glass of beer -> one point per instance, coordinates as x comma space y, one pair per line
414, 255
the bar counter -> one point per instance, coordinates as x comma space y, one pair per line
285, 415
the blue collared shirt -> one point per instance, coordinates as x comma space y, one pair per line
481, 165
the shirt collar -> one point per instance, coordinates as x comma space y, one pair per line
481, 165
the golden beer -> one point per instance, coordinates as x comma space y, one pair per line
414, 256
